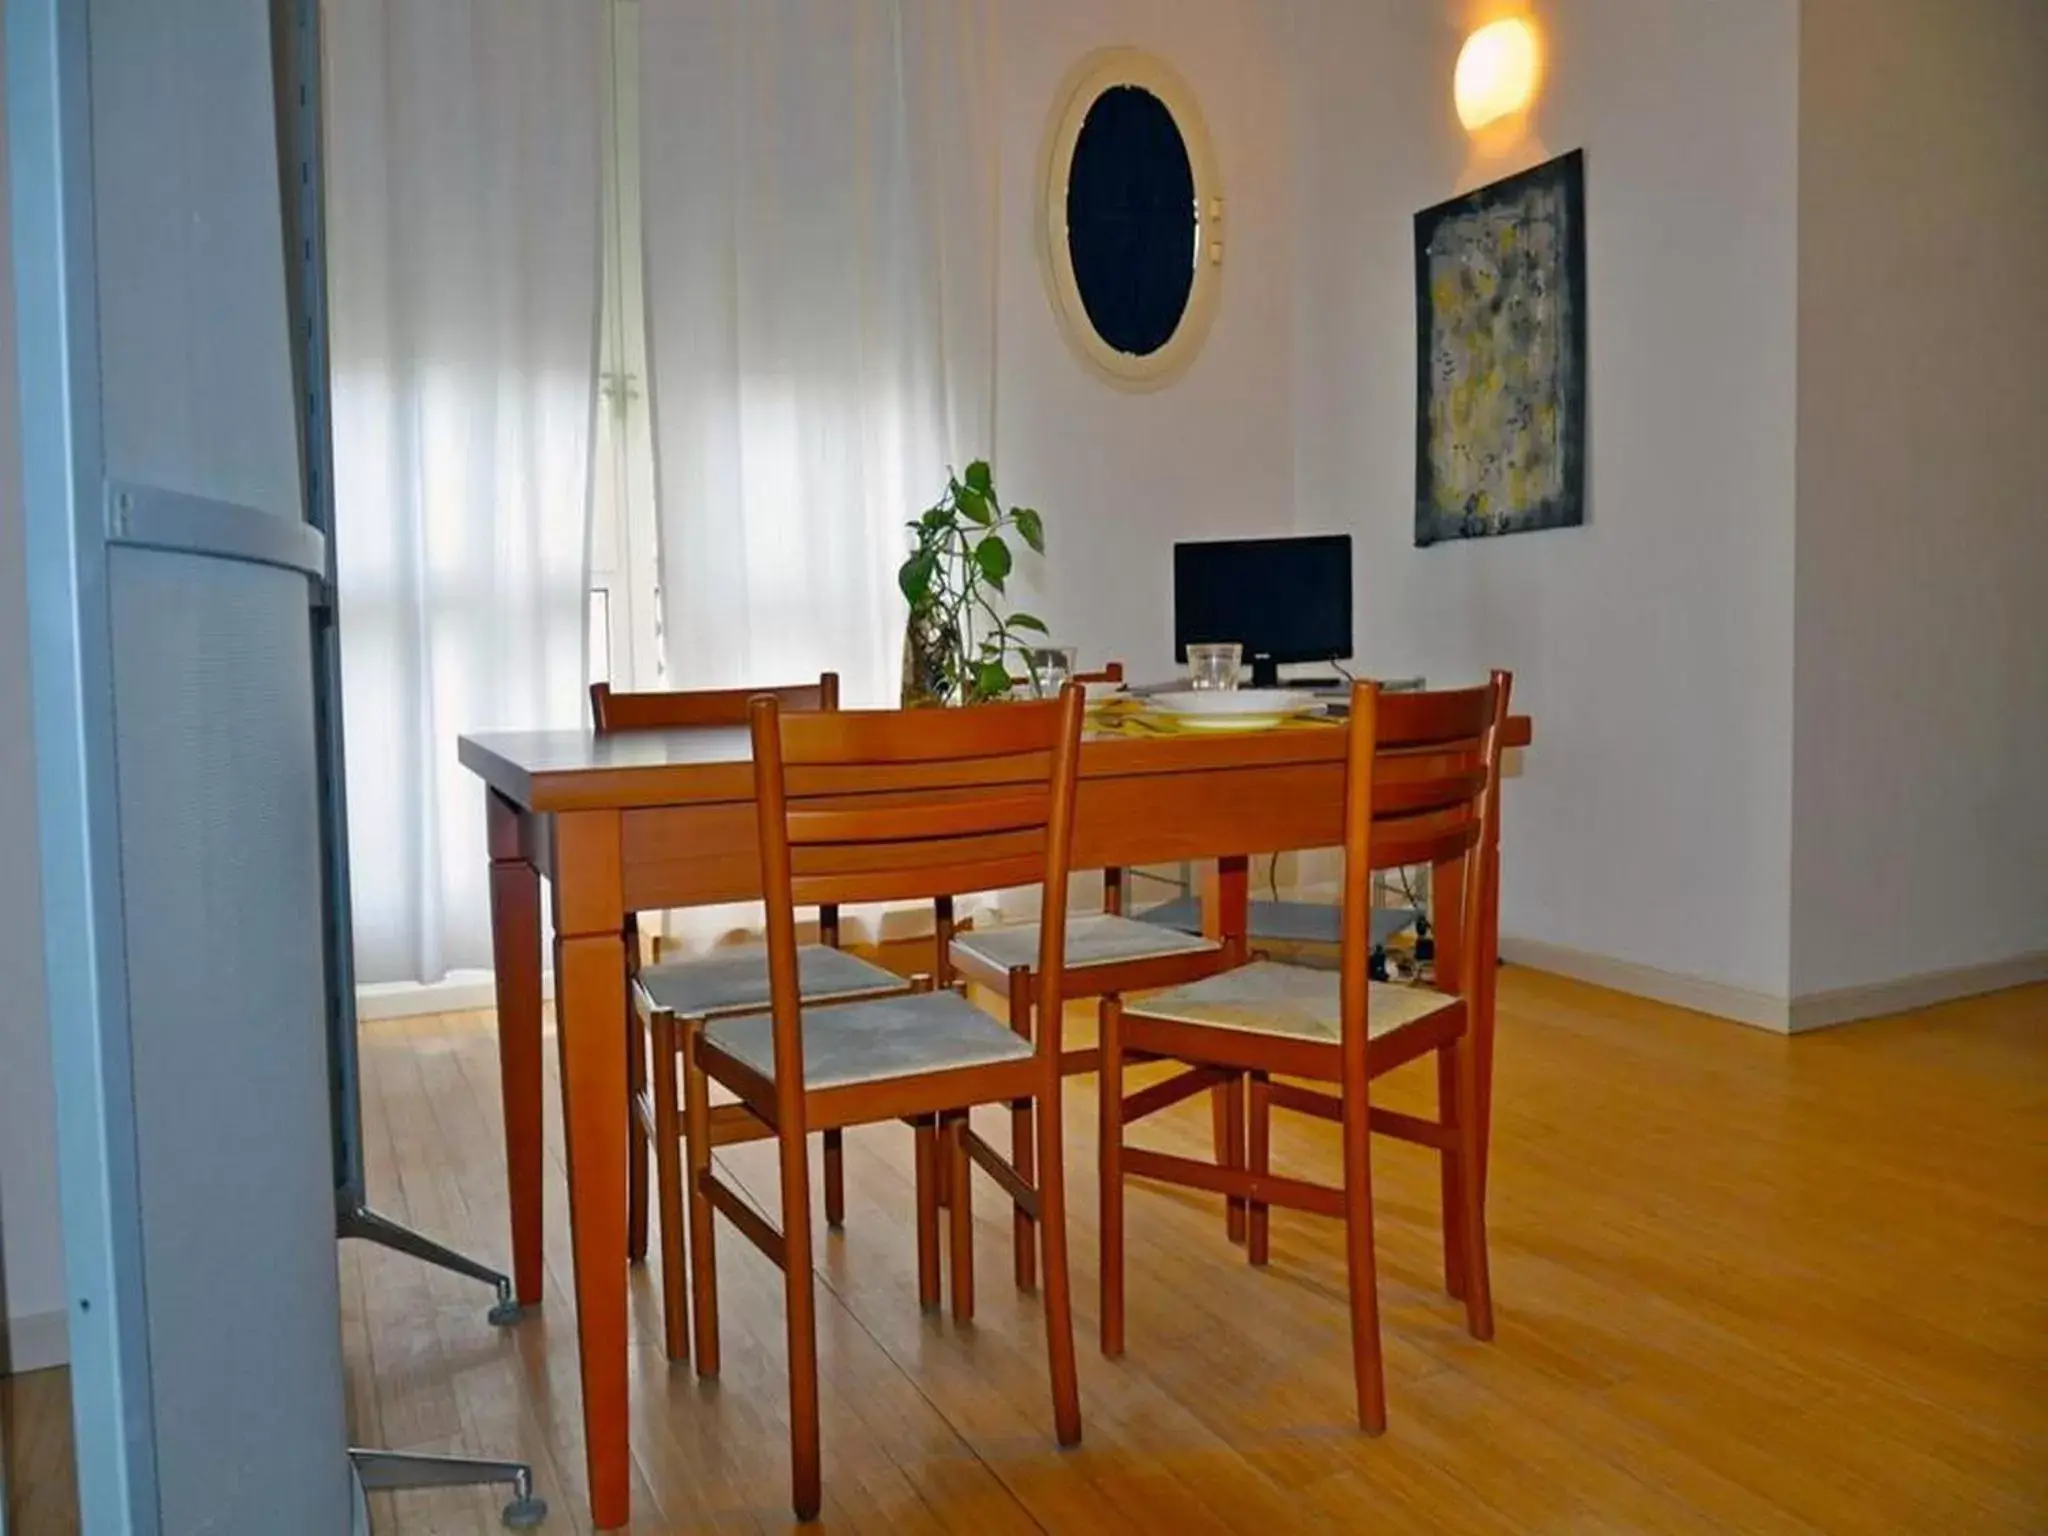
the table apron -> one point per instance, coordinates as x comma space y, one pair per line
690, 855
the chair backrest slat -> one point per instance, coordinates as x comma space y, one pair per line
1005, 808
1446, 786
915, 882
880, 738
1448, 718
849, 857
612, 712
1432, 837
924, 782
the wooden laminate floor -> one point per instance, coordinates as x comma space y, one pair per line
1744, 1283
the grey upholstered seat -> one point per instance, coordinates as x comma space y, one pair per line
1093, 938
867, 1042
735, 980
1269, 998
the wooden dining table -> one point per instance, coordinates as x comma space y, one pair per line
644, 821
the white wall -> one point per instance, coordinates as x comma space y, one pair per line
1653, 645
1920, 841
31, 1257
1121, 476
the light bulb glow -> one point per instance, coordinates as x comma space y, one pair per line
1496, 74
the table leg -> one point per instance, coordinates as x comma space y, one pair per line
1226, 897
1226, 915
590, 1027
515, 952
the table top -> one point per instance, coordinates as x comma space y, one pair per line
579, 770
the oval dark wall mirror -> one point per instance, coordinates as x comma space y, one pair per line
1131, 229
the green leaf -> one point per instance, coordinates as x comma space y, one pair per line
1028, 621
1031, 526
991, 680
992, 556
935, 517
914, 576
973, 505
979, 480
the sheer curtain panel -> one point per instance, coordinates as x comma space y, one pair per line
819, 209
819, 212
463, 141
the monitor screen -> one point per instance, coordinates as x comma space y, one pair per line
1281, 599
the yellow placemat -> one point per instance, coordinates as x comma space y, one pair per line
1133, 717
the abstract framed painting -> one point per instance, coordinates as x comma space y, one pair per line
1500, 362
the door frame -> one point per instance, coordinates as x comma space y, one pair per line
49, 107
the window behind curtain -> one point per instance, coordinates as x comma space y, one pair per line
625, 565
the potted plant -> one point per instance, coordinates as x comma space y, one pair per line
956, 646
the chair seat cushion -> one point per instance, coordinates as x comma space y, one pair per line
1093, 938
847, 1043
1269, 998
735, 980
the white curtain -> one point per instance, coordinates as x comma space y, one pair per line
819, 211
463, 142
819, 205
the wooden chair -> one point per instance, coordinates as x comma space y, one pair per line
886, 806
684, 993
1106, 954
1423, 788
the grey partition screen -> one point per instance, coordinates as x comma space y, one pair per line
174, 578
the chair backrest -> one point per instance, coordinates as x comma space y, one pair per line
881, 805
613, 712
1423, 787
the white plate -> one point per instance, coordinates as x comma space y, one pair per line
1236, 709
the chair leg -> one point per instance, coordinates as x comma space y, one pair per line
1110, 1159
668, 1181
1023, 1230
1023, 1233
800, 1300
835, 1178
1059, 1299
1451, 1166
960, 1178
697, 1165
1258, 1221
1358, 1253
1471, 1216
1226, 1106
636, 1139
835, 1140
927, 1215
942, 940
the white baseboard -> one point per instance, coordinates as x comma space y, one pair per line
1907, 994
1759, 1010
34, 1341
1762, 1010
457, 992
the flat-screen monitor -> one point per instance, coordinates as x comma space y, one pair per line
1281, 599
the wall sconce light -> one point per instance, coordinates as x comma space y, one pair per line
1497, 72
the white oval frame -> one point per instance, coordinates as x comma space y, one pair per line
1087, 80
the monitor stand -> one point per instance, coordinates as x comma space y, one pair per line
1265, 672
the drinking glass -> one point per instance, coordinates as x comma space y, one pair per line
1047, 668
1214, 665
